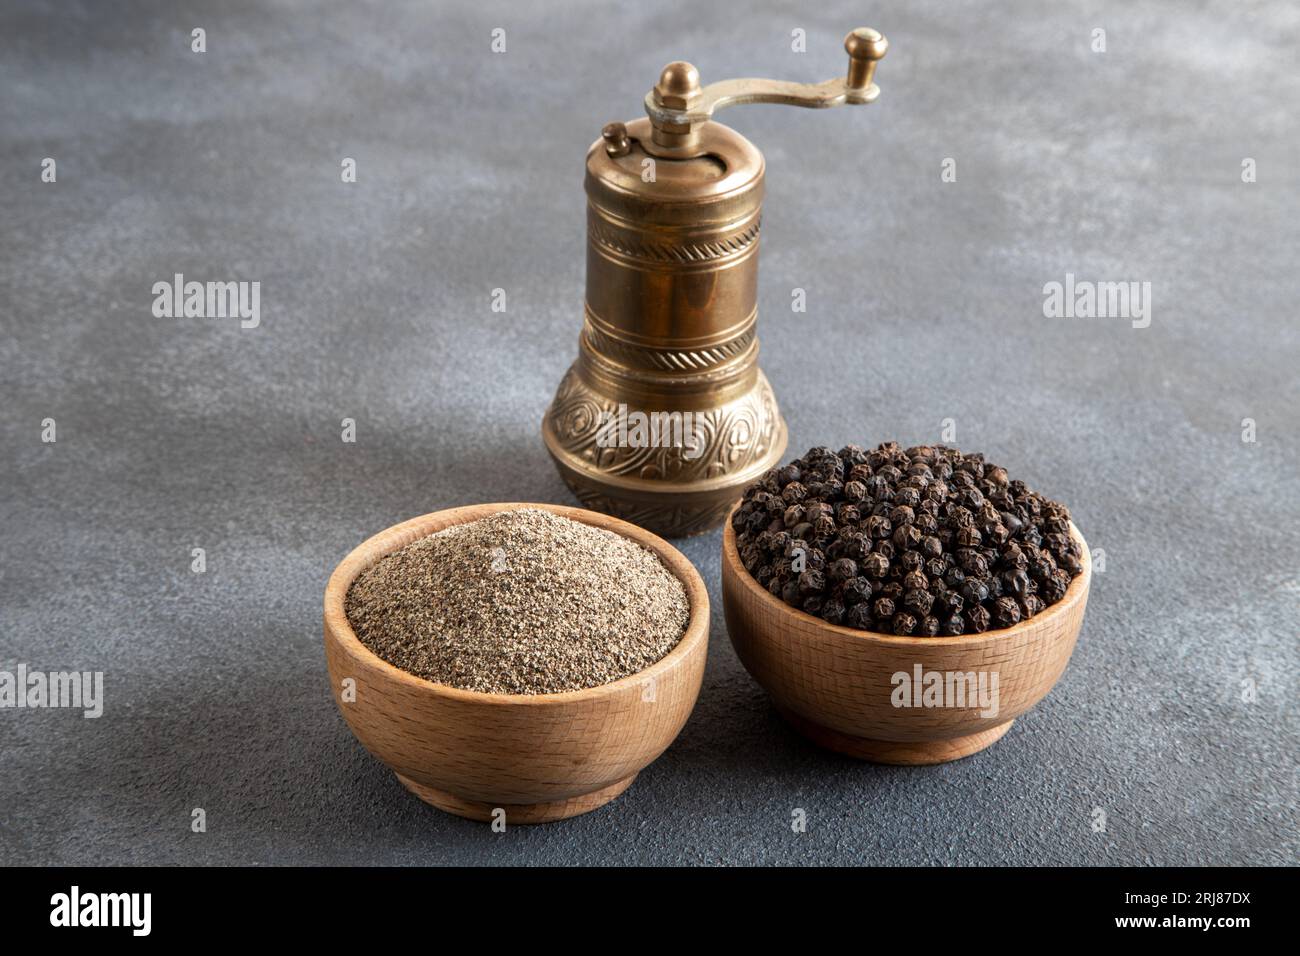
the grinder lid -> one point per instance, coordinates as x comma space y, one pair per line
721, 179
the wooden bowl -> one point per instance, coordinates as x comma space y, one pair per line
836, 685
537, 757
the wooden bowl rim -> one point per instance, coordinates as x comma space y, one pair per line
377, 546
1076, 592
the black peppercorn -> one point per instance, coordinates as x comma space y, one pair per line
832, 610
1041, 566
974, 590
883, 608
950, 603
791, 593
972, 562
852, 454
1058, 543
1053, 587
907, 536
856, 591
904, 623
910, 497
858, 547
978, 619
875, 565
921, 602
879, 527
1016, 582
843, 570
902, 515
1007, 611
813, 508
812, 581
1013, 557
859, 616
929, 626
915, 581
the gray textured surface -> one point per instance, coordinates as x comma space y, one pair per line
924, 304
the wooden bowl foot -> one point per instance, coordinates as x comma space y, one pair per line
517, 812
904, 752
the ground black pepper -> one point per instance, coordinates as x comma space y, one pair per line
520, 602
924, 541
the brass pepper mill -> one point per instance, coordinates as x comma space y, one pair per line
665, 416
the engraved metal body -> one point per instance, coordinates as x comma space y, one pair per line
665, 416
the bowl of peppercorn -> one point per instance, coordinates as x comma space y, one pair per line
900, 605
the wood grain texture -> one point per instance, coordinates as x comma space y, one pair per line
834, 684
540, 757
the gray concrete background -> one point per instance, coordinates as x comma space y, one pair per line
925, 303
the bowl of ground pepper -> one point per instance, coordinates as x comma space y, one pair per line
899, 605
516, 662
